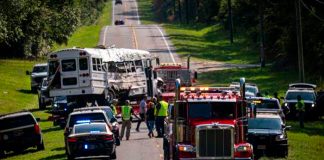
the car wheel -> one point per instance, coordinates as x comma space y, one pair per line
41, 146
2, 153
69, 157
113, 155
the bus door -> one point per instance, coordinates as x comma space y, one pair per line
84, 73
69, 73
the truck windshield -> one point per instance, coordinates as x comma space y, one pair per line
212, 110
39, 69
265, 104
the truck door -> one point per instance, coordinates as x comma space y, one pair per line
69, 73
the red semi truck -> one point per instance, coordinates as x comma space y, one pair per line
207, 123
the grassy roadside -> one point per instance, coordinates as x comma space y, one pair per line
88, 36
15, 91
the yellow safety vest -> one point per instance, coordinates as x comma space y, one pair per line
163, 111
300, 106
126, 112
113, 107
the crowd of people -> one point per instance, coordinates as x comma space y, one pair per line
152, 112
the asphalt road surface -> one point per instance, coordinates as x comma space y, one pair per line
146, 37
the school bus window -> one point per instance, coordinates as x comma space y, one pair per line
139, 66
83, 63
68, 65
99, 64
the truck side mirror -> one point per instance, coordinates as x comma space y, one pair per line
154, 75
196, 75
27, 73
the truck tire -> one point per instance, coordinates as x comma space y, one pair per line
111, 95
41, 103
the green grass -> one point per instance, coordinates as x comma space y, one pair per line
88, 36
210, 43
266, 79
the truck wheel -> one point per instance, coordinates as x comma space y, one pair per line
41, 146
111, 95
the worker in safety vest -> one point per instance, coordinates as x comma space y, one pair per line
300, 107
161, 112
113, 106
126, 112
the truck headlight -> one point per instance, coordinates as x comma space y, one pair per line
286, 104
280, 137
244, 148
55, 105
313, 105
186, 148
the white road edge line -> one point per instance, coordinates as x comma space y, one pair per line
104, 36
138, 17
166, 43
113, 12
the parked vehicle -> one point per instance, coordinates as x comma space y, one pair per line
87, 116
119, 22
111, 118
118, 2
207, 123
267, 134
19, 131
36, 76
308, 95
251, 89
95, 74
43, 95
61, 110
266, 105
91, 140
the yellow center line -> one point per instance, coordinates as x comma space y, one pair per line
135, 44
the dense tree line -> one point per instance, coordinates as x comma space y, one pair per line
279, 21
30, 27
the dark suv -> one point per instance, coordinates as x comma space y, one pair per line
19, 131
267, 134
308, 95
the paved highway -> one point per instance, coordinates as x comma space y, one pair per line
147, 37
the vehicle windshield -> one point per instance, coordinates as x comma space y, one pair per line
212, 110
86, 118
251, 89
90, 128
39, 69
14, 122
309, 96
264, 123
264, 104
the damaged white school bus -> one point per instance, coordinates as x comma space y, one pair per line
96, 74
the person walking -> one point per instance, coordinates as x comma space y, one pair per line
300, 107
142, 110
150, 118
161, 111
113, 106
127, 112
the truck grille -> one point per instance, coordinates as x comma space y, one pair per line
215, 142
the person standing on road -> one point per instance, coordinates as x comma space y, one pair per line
300, 107
127, 112
113, 106
142, 110
161, 112
150, 118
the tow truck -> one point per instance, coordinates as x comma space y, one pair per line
207, 123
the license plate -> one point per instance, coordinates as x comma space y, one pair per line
18, 133
261, 147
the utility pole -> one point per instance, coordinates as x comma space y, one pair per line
187, 11
299, 42
179, 10
230, 19
262, 56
